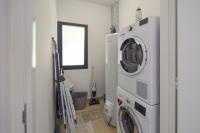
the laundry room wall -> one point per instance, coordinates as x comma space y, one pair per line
5, 124
43, 98
127, 10
98, 19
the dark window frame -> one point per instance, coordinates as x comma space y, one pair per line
59, 33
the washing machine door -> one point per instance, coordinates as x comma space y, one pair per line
128, 121
133, 55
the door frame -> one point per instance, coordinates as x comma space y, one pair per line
29, 19
168, 67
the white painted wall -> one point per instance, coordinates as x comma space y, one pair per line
188, 66
103, 2
98, 18
127, 10
4, 89
43, 113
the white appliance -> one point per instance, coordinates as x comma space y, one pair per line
136, 116
110, 110
111, 78
138, 59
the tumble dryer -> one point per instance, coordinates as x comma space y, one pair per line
138, 60
136, 116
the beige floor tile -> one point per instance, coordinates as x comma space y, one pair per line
84, 128
79, 119
86, 117
100, 126
91, 120
96, 114
93, 107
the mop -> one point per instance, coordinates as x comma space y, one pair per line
93, 88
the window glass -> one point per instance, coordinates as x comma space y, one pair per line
73, 45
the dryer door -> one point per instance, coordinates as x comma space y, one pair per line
134, 55
128, 121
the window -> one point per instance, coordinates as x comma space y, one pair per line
73, 45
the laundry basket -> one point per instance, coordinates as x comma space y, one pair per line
79, 100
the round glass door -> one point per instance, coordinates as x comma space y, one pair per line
128, 122
133, 55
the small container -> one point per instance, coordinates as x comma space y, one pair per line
79, 100
138, 15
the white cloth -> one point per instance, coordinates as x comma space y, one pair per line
70, 82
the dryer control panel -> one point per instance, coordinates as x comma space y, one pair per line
143, 22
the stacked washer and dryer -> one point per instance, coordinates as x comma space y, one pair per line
138, 77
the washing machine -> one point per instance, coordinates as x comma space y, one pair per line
138, 59
136, 116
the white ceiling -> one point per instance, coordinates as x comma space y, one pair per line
102, 2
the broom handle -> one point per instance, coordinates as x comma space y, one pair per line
93, 78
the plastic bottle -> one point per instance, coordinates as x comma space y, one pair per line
138, 15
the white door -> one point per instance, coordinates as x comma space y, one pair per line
188, 66
15, 69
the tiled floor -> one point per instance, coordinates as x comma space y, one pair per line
91, 120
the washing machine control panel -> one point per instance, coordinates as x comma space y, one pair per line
141, 109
